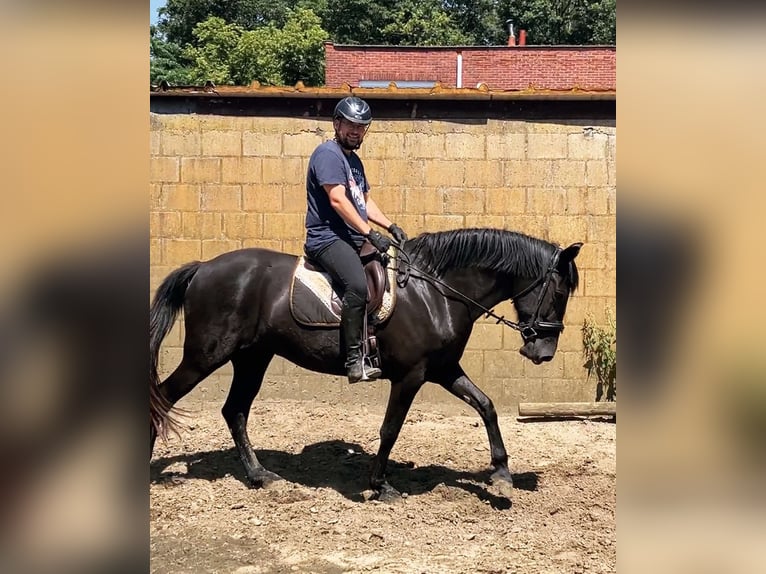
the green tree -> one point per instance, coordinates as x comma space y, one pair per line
257, 57
277, 56
167, 61
478, 20
563, 21
215, 42
603, 14
422, 23
302, 54
227, 54
178, 18
357, 21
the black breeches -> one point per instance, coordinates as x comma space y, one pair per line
342, 262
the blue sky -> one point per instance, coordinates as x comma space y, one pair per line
153, 6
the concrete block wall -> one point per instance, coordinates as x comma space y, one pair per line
220, 183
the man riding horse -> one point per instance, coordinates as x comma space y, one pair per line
338, 218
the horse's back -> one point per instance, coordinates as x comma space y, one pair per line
252, 256
240, 277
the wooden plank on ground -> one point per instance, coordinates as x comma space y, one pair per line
567, 409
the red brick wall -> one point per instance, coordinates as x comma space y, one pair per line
501, 68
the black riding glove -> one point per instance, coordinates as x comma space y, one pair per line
380, 242
399, 235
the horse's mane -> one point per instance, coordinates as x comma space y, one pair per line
494, 250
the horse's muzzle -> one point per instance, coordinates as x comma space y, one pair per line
537, 357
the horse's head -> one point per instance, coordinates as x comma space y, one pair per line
541, 309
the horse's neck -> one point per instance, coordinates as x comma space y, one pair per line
484, 287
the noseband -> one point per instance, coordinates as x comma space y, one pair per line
529, 329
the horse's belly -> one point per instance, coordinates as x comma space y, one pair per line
314, 350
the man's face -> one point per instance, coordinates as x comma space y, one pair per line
349, 135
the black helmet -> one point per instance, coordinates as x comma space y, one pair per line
354, 110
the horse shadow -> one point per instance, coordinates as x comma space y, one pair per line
340, 465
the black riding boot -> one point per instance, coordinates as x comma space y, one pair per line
352, 319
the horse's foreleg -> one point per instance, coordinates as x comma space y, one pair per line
399, 402
458, 383
248, 376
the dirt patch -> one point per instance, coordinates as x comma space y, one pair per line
204, 518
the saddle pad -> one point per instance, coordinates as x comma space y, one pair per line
311, 296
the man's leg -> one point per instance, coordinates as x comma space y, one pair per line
342, 262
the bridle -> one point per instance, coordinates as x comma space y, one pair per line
528, 329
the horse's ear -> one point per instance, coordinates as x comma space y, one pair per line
570, 252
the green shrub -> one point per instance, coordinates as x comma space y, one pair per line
600, 351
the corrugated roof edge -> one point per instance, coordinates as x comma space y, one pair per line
438, 92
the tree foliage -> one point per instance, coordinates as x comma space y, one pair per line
413, 22
551, 22
167, 61
357, 21
178, 18
286, 56
422, 23
256, 57
215, 42
479, 20
603, 16
302, 48
226, 53
280, 41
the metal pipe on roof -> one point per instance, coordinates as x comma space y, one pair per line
511, 36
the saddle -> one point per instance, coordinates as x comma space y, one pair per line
314, 300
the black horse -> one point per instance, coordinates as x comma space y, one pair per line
236, 309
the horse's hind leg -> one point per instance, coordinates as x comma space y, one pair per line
249, 370
178, 385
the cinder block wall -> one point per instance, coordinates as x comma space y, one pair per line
221, 183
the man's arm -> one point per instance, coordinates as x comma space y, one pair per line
345, 208
374, 213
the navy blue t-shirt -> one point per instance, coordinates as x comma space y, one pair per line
329, 165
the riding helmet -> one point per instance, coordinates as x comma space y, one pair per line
354, 110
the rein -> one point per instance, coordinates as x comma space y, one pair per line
528, 330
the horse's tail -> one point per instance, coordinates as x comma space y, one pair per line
167, 303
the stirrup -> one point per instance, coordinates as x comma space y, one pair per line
369, 372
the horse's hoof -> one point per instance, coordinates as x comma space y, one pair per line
388, 494
264, 479
171, 479
501, 484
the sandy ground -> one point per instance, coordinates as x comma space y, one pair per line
204, 518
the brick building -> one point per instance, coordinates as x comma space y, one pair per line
559, 68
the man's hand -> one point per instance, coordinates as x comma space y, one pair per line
380, 242
399, 235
